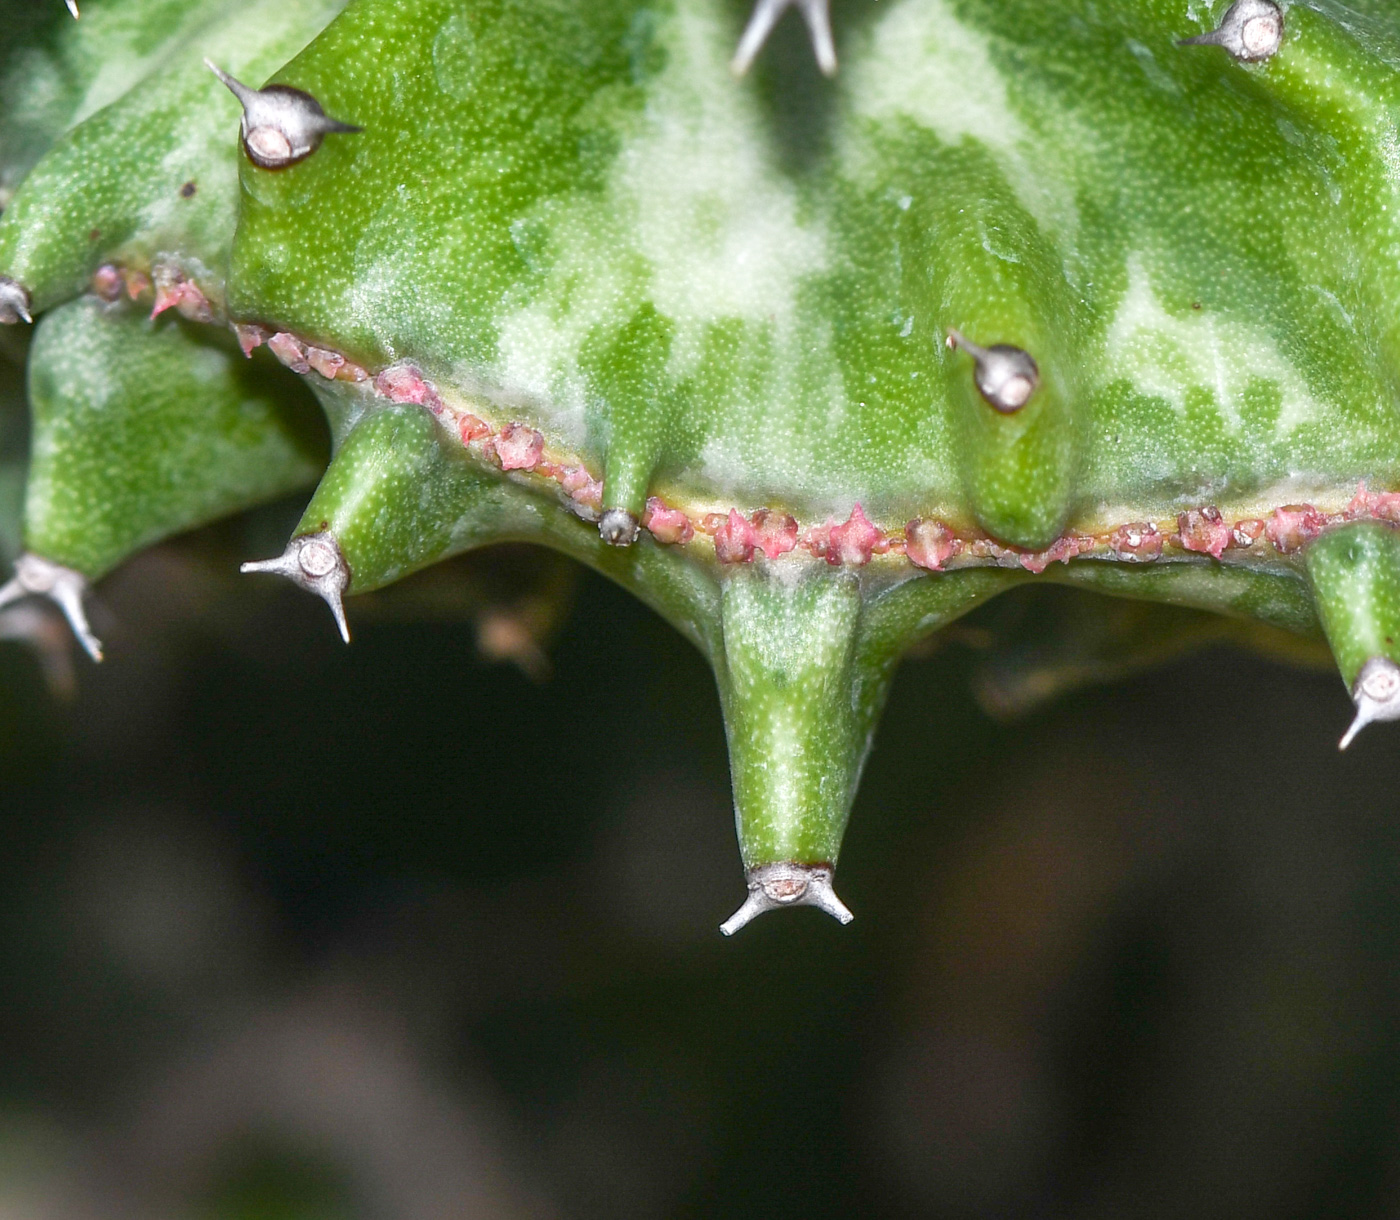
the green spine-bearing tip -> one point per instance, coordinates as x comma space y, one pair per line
1355, 574
796, 742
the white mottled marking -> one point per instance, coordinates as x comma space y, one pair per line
1165, 356
696, 220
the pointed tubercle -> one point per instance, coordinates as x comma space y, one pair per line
774, 886
1006, 376
1376, 694
766, 14
1251, 31
14, 302
313, 562
38, 577
281, 125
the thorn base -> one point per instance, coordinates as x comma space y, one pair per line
774, 886
313, 562
38, 577
1376, 694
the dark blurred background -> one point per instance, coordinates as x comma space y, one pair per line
296, 930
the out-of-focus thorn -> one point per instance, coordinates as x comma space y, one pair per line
38, 577
14, 302
502, 634
50, 640
766, 13
1376, 694
313, 562
73, 8
773, 886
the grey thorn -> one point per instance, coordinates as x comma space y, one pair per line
1376, 693
774, 886
38, 577
1006, 376
281, 125
1251, 31
765, 16
73, 8
313, 562
14, 302
618, 527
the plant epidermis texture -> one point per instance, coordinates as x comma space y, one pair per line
614, 245
625, 281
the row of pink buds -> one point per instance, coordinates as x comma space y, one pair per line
738, 537
1288, 529
173, 290
1062, 550
1377, 505
298, 356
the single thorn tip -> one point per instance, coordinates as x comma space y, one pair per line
1376, 693
766, 14
1251, 31
73, 8
14, 302
773, 886
38, 577
313, 562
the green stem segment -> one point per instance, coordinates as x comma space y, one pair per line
143, 430
804, 669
